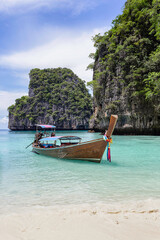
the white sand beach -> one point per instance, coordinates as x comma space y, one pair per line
140, 221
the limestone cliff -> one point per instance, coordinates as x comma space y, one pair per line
56, 96
126, 67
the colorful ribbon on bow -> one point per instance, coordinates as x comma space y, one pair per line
109, 141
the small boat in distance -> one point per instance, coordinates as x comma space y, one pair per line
71, 147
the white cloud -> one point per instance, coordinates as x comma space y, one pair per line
77, 6
9, 4
7, 99
3, 120
67, 49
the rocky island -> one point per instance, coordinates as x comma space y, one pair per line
127, 70
56, 96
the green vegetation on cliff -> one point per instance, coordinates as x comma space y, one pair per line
129, 54
55, 96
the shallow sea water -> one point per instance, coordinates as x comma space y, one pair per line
28, 179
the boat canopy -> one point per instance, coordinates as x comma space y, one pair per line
60, 138
45, 126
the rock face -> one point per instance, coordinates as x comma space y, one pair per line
56, 96
126, 78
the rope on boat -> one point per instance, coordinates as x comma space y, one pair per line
109, 141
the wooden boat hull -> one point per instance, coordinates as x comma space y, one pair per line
87, 151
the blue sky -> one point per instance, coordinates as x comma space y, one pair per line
44, 34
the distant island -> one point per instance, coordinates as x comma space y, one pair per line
56, 96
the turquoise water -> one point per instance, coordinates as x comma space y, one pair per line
28, 179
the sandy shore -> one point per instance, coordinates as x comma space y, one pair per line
102, 222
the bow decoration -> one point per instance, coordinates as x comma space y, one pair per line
109, 141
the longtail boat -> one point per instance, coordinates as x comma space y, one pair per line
71, 147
